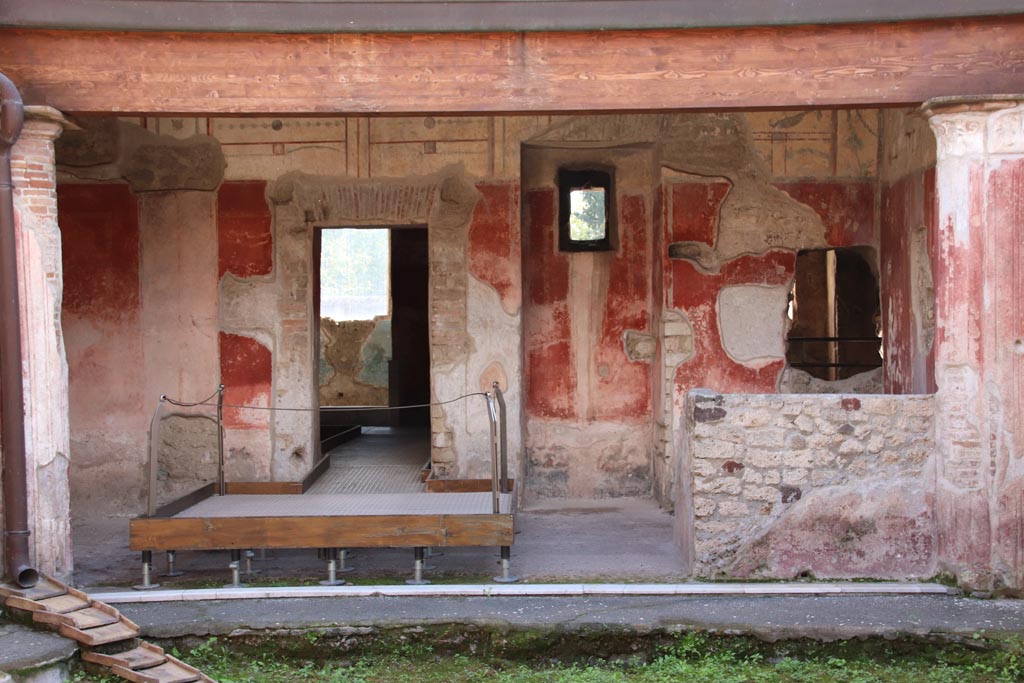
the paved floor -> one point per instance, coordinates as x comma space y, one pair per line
606, 540
771, 618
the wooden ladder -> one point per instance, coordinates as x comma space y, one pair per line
105, 636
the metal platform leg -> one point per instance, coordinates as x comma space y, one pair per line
506, 562
417, 579
249, 571
236, 570
331, 554
172, 558
428, 554
147, 572
343, 556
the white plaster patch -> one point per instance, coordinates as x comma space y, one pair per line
752, 323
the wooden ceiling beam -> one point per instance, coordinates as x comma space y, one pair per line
740, 68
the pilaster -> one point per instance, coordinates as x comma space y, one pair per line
979, 343
34, 173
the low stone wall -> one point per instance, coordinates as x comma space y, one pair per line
835, 486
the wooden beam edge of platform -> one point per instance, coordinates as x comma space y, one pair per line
263, 488
363, 531
464, 486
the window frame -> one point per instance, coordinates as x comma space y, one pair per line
578, 178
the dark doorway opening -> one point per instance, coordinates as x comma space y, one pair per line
409, 377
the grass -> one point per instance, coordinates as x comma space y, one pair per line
694, 658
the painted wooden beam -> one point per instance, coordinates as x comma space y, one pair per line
795, 66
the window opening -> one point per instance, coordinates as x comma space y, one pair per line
835, 330
585, 210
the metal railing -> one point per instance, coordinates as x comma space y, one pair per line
837, 341
496, 414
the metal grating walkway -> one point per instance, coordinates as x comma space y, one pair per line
380, 460
370, 479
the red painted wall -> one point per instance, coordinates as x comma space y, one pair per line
245, 371
697, 295
550, 371
846, 208
907, 204
494, 242
100, 240
620, 388
246, 249
624, 393
694, 210
101, 307
244, 239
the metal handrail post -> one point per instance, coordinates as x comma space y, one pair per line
492, 417
503, 437
221, 487
154, 446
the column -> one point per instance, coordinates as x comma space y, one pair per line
34, 172
979, 343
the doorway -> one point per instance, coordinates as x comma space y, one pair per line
374, 355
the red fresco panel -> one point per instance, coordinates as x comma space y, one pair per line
899, 202
625, 390
697, 295
847, 209
246, 371
100, 245
494, 241
550, 370
695, 210
245, 241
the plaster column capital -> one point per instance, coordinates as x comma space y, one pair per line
44, 123
976, 126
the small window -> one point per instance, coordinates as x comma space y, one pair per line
585, 210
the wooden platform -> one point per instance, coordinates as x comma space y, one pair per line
238, 522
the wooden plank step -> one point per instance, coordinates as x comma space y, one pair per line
96, 614
171, 671
70, 601
144, 656
46, 588
62, 604
90, 617
101, 635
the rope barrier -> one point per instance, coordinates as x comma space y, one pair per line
341, 409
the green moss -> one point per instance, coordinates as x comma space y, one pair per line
458, 654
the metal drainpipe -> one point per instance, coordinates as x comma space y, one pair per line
12, 428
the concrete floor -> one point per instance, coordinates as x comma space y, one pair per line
621, 539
